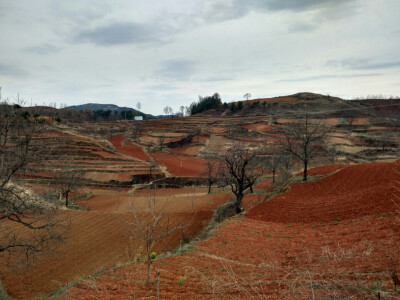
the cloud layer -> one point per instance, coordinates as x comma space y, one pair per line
167, 52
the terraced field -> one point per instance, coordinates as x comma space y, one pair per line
300, 243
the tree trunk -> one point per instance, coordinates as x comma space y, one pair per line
273, 175
305, 170
158, 285
209, 187
66, 200
148, 269
239, 198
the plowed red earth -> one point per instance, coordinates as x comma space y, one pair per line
128, 148
260, 128
96, 241
178, 165
178, 203
324, 170
282, 250
187, 150
360, 121
353, 192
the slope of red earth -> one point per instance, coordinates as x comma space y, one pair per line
353, 192
182, 200
260, 128
96, 241
128, 148
179, 165
194, 150
323, 170
289, 258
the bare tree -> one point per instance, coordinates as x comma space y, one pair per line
161, 142
187, 110
247, 96
211, 174
29, 222
168, 110
138, 105
69, 181
238, 172
303, 140
273, 163
151, 226
182, 109
137, 129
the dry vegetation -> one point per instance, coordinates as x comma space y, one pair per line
336, 236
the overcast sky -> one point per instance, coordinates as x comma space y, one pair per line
167, 52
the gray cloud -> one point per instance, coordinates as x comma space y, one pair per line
326, 76
362, 64
11, 70
302, 27
176, 69
43, 49
296, 5
217, 10
121, 33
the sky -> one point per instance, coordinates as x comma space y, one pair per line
168, 52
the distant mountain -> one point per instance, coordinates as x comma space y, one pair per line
111, 107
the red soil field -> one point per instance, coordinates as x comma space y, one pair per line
282, 253
360, 121
128, 148
106, 154
187, 150
286, 121
199, 139
172, 191
382, 128
96, 241
260, 128
175, 203
271, 260
218, 129
181, 165
331, 121
103, 176
324, 170
263, 185
354, 192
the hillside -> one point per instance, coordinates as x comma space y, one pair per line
343, 222
321, 106
344, 253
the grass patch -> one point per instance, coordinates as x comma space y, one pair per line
3, 294
61, 292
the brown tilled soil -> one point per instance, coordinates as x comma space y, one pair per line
353, 192
179, 165
338, 237
96, 241
128, 148
188, 150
